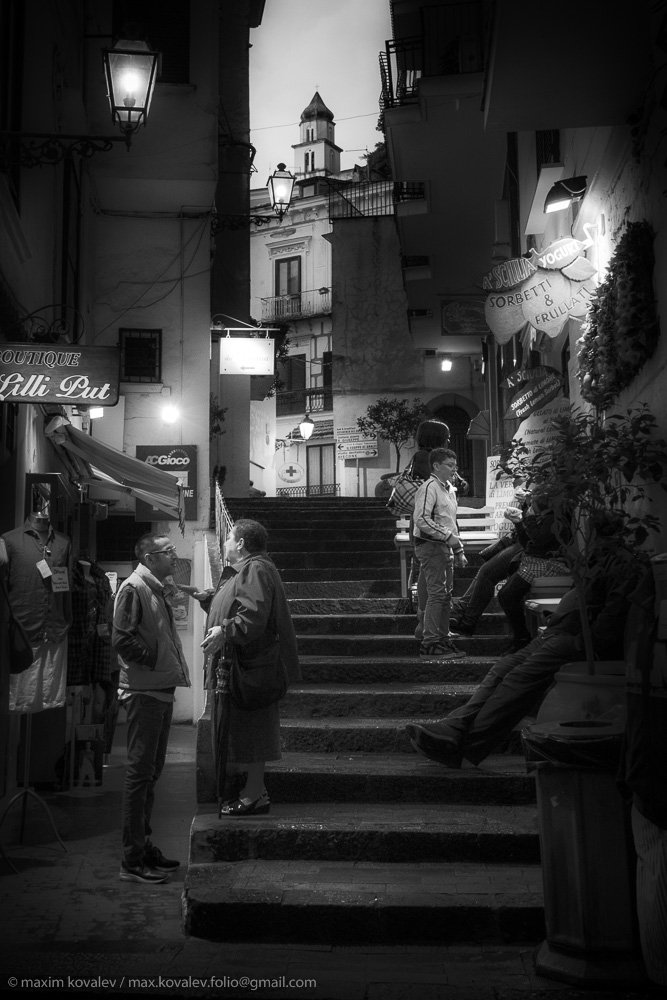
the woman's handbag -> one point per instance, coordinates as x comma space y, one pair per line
21, 656
401, 501
257, 681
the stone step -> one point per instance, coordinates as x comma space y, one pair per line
378, 832
339, 623
346, 605
312, 559
392, 669
303, 536
347, 735
308, 584
364, 902
369, 588
336, 544
392, 645
318, 574
500, 779
313, 701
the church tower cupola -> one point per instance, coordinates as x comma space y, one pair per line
317, 152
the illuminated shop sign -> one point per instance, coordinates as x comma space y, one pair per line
66, 374
181, 461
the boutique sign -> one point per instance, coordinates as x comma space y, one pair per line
66, 374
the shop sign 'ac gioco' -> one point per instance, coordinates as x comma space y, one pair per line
67, 374
545, 290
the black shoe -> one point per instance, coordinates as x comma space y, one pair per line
441, 651
154, 858
442, 749
141, 873
258, 807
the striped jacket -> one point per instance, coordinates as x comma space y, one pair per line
434, 516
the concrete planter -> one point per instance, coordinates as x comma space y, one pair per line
585, 837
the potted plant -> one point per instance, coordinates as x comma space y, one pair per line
597, 470
596, 467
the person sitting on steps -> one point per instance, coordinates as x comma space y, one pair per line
518, 682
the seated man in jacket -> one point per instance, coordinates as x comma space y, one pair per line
519, 681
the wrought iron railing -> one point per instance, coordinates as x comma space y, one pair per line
223, 521
355, 200
299, 401
316, 302
319, 490
453, 41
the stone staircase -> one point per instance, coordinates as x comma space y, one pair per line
366, 841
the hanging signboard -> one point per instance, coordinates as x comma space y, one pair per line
65, 373
352, 443
545, 291
246, 356
536, 387
499, 495
537, 431
181, 461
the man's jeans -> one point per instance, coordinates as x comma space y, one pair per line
148, 723
470, 607
510, 689
437, 578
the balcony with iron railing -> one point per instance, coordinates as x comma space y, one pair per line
299, 305
296, 402
453, 41
353, 200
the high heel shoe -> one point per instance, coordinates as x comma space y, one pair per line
258, 807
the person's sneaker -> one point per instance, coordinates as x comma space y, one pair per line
154, 858
141, 873
441, 651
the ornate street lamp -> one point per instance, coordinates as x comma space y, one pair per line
306, 427
280, 185
130, 68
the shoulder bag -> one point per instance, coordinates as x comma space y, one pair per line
20, 648
401, 501
257, 681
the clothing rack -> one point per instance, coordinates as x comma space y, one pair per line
24, 794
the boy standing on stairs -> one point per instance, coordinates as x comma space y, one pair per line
438, 549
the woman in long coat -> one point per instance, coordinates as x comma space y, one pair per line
248, 610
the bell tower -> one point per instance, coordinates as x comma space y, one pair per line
316, 152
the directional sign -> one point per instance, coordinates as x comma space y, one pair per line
352, 443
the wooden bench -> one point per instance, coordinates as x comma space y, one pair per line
476, 527
543, 599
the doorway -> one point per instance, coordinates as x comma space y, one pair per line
458, 421
321, 470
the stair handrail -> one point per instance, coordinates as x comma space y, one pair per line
223, 521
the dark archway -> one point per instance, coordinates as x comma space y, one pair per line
458, 422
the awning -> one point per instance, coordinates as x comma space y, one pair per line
94, 463
480, 427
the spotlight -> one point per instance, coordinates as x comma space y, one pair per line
563, 193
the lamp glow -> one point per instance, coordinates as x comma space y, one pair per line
130, 69
170, 413
280, 185
306, 427
95, 412
446, 365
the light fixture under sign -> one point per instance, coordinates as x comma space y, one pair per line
564, 192
446, 365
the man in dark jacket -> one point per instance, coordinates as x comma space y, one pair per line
519, 681
152, 666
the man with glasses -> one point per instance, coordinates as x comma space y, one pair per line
152, 666
438, 549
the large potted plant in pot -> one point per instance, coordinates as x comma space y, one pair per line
598, 474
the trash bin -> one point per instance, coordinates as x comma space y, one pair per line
587, 855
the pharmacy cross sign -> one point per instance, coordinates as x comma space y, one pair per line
291, 471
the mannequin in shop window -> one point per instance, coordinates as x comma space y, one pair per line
35, 564
92, 667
